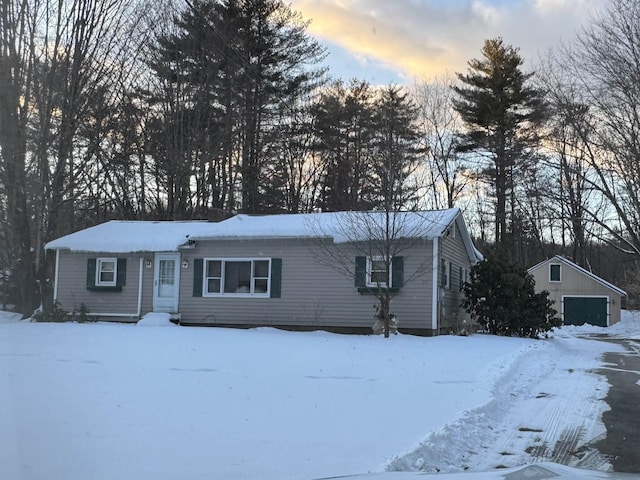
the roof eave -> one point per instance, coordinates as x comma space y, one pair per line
580, 269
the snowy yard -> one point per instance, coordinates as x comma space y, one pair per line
111, 401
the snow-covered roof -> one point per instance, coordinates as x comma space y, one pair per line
119, 236
341, 226
138, 236
584, 271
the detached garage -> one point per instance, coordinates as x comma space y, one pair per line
579, 295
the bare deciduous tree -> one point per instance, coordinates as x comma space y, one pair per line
369, 247
376, 239
59, 61
441, 127
17, 40
599, 95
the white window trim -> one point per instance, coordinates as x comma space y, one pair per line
560, 270
99, 262
447, 274
368, 281
251, 293
464, 277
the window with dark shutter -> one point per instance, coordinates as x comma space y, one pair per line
106, 274
237, 277
121, 272
197, 276
371, 274
397, 272
361, 272
276, 277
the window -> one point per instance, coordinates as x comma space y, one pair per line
555, 272
369, 270
248, 277
377, 274
451, 231
106, 272
445, 273
464, 277
213, 276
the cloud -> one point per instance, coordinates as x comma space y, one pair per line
424, 38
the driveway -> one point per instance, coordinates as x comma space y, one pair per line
619, 447
622, 442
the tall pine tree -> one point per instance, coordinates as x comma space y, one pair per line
240, 67
344, 131
396, 150
502, 114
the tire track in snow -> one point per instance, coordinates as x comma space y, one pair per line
546, 407
569, 419
468, 442
557, 441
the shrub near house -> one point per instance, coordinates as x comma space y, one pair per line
502, 299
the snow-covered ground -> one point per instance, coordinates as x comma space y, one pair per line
113, 401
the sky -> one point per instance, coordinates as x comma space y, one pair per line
152, 401
399, 41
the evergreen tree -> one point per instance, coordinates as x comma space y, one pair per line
396, 152
367, 139
344, 117
191, 72
231, 72
502, 113
502, 298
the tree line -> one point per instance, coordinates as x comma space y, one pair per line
204, 108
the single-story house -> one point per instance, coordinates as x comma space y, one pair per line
297, 271
580, 296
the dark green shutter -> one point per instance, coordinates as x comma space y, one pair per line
397, 272
197, 277
361, 271
121, 279
276, 277
91, 273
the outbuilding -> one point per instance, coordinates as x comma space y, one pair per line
580, 296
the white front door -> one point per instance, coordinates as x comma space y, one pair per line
166, 282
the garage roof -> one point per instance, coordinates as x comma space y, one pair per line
577, 267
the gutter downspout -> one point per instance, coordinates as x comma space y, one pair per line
140, 276
435, 307
55, 276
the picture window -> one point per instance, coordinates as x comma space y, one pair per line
237, 277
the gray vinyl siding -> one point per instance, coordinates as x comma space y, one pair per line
147, 283
73, 292
312, 294
452, 249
